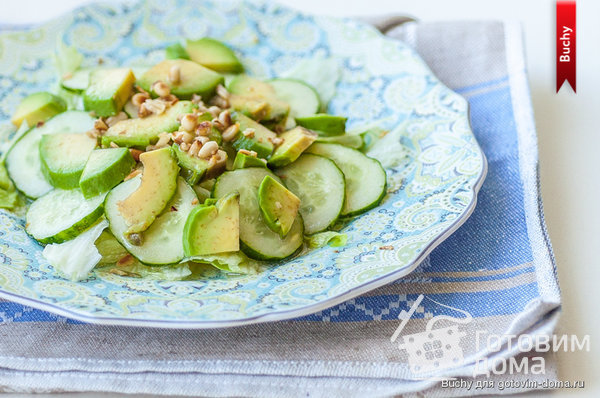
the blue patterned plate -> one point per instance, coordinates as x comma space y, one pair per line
434, 165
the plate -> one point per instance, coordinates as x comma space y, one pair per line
433, 162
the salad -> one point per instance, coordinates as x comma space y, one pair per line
191, 161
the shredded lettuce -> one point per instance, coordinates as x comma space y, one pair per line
67, 59
234, 262
173, 272
8, 192
77, 257
321, 73
109, 248
331, 238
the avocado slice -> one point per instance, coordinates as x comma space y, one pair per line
257, 100
108, 91
176, 51
144, 131
295, 141
194, 78
259, 142
242, 161
213, 227
214, 55
159, 182
105, 169
324, 124
192, 167
63, 157
278, 205
38, 107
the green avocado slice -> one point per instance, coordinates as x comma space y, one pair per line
38, 107
194, 78
105, 169
278, 205
213, 227
214, 55
141, 132
324, 124
295, 141
159, 182
108, 91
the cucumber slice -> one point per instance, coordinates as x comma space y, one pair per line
302, 97
320, 185
323, 124
64, 156
256, 238
162, 242
78, 81
61, 215
365, 178
23, 160
105, 168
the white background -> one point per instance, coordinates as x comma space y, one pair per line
568, 128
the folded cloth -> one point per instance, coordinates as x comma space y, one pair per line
494, 276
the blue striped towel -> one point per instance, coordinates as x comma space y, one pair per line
494, 276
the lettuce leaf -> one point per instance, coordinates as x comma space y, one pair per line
321, 73
175, 272
331, 238
233, 262
77, 257
67, 59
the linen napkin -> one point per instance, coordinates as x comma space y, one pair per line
494, 276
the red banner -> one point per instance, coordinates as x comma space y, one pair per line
566, 49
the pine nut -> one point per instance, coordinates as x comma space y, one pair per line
214, 110
202, 140
175, 74
139, 98
99, 124
231, 132
208, 149
161, 89
194, 148
189, 122
204, 129
222, 92
249, 132
135, 153
225, 118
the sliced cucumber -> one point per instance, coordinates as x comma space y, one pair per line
23, 160
64, 156
302, 97
162, 242
61, 215
105, 168
320, 185
365, 178
257, 239
78, 81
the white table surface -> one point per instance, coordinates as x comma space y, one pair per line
568, 133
